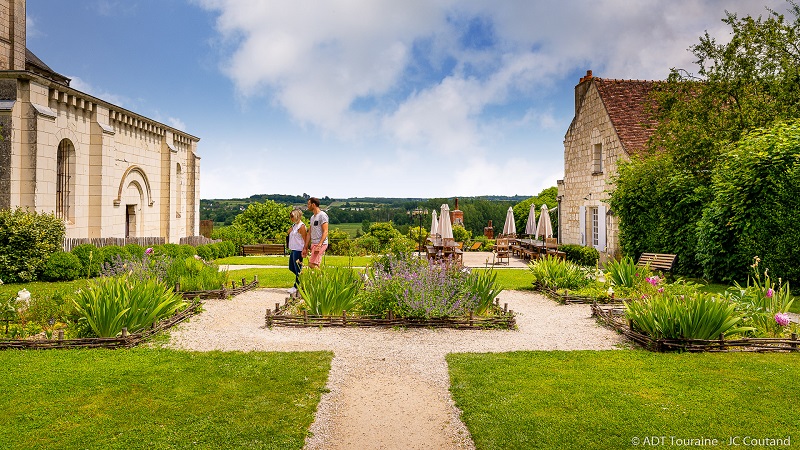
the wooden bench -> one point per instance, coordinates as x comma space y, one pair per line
263, 249
658, 261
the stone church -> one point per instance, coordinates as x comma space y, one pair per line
611, 123
104, 170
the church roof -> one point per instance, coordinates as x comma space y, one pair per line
36, 65
627, 103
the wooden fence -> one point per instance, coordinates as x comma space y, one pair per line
614, 318
194, 241
70, 243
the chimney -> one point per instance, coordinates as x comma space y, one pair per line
580, 90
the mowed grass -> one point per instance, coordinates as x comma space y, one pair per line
608, 399
328, 260
157, 398
351, 229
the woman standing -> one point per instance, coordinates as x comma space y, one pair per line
297, 242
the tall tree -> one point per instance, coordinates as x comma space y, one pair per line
747, 83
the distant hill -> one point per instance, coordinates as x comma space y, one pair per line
478, 210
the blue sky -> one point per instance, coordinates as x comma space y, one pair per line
363, 98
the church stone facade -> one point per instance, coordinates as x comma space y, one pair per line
611, 123
106, 171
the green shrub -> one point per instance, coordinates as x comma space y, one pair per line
369, 243
27, 239
339, 242
235, 234
91, 259
62, 266
205, 252
55, 306
174, 250
756, 207
580, 254
696, 316
112, 303
113, 252
550, 272
135, 250
330, 290
460, 234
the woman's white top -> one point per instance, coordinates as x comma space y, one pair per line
296, 241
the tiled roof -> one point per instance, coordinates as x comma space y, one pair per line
34, 64
626, 103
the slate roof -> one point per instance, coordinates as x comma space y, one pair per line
36, 65
626, 103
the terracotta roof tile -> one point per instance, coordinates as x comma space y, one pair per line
625, 102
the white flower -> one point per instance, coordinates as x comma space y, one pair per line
610, 291
23, 295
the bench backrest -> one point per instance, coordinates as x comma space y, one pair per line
658, 261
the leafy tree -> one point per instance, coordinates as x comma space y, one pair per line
460, 234
27, 239
265, 221
522, 209
747, 83
756, 207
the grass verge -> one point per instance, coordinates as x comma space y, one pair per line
609, 399
329, 260
157, 398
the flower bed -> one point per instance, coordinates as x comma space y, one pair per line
281, 316
124, 341
615, 319
567, 298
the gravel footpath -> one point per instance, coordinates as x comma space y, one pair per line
389, 388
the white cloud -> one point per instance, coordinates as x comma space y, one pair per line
176, 123
397, 71
83, 86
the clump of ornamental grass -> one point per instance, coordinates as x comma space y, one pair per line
553, 273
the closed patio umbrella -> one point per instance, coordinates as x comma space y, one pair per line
445, 227
510, 227
434, 225
544, 228
530, 227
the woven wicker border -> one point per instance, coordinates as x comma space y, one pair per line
567, 299
613, 319
131, 340
505, 319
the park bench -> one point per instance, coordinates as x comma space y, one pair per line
658, 261
263, 249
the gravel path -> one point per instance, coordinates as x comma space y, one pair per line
390, 388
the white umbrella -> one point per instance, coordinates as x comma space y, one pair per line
544, 228
510, 227
530, 227
445, 227
434, 225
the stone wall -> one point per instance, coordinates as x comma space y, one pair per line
582, 184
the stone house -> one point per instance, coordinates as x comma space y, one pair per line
106, 171
611, 123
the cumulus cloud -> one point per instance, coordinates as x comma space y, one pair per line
176, 123
426, 76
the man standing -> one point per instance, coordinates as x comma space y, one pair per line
318, 237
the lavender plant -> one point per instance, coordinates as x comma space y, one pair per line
413, 288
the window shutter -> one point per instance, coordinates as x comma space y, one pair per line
582, 223
601, 228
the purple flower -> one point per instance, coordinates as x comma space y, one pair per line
660, 290
653, 280
770, 293
149, 251
782, 319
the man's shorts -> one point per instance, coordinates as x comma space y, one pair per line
317, 250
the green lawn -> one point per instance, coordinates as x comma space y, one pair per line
516, 279
156, 398
329, 260
604, 400
351, 228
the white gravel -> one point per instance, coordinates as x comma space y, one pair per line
404, 369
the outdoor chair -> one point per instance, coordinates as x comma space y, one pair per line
502, 251
475, 245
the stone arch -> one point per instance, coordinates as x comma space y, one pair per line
134, 171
